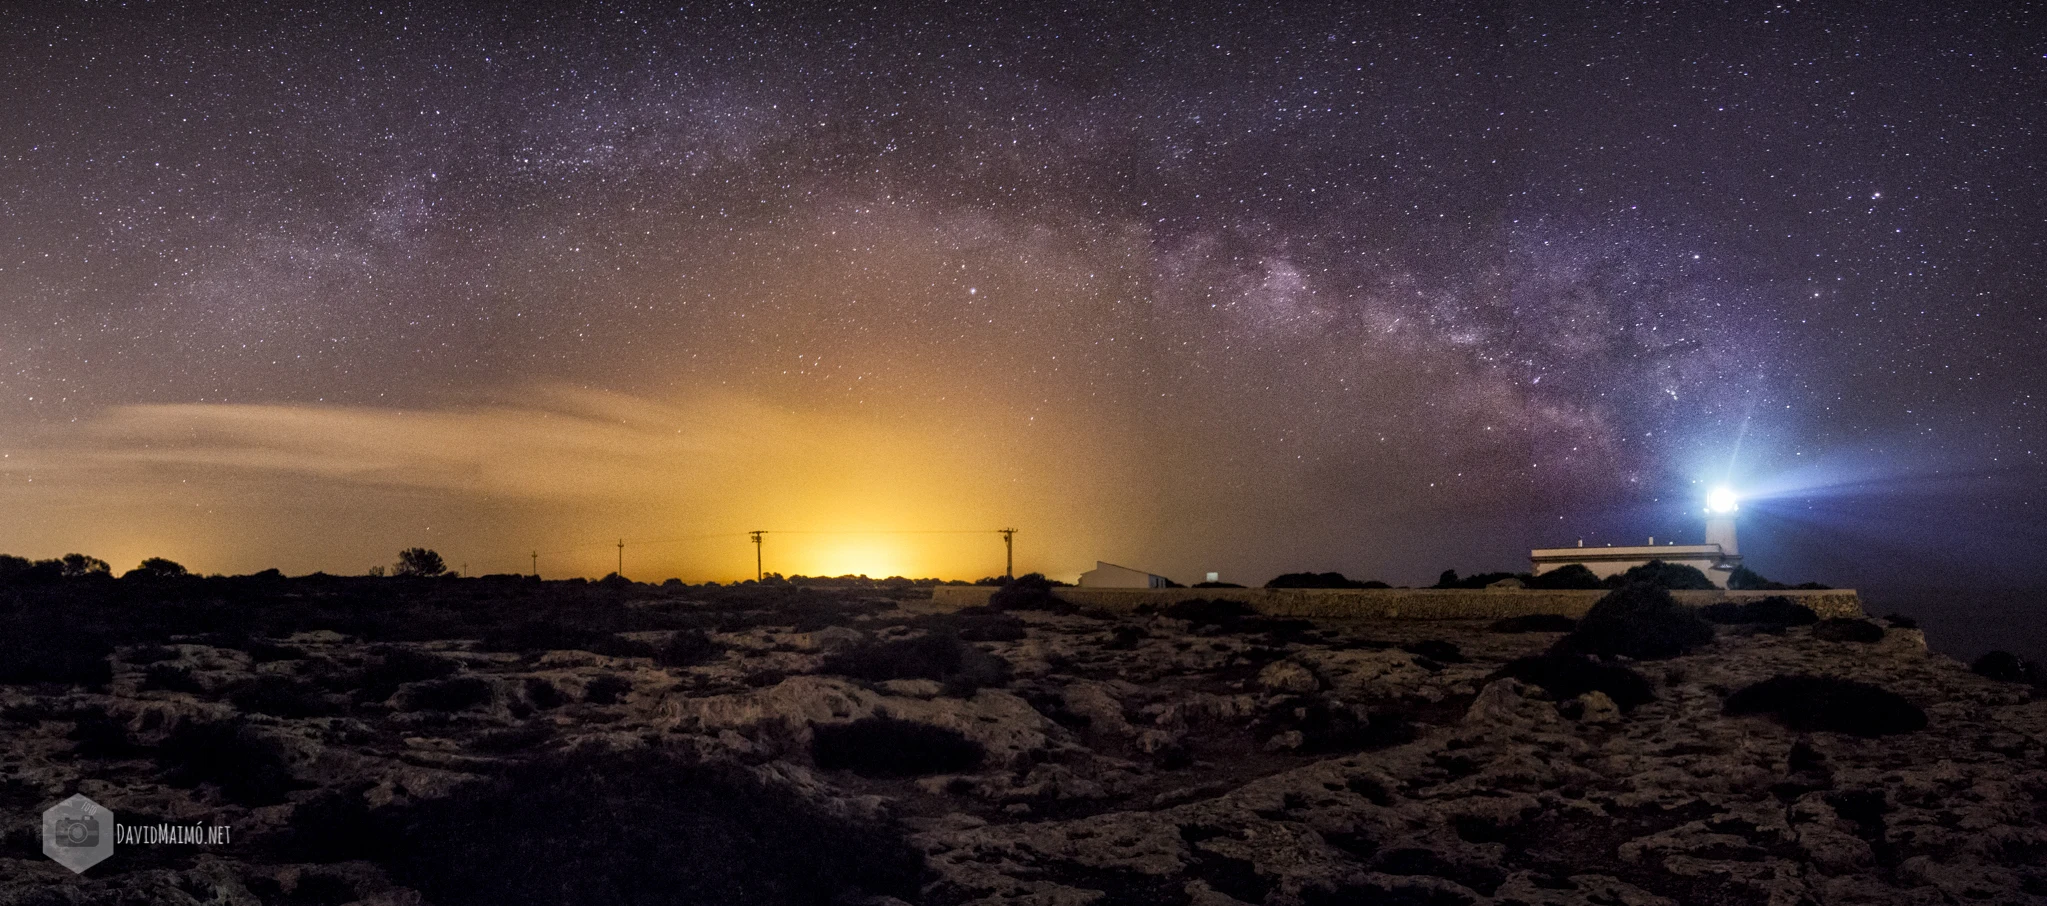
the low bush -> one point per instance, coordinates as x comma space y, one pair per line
1206, 612
934, 656
1638, 621
1775, 610
458, 693
991, 628
32, 651
279, 696
1900, 621
1029, 592
1570, 576
1847, 629
573, 828
99, 735
609, 689
1808, 703
169, 678
1566, 676
1326, 725
1436, 650
2007, 667
542, 694
1667, 576
884, 746
248, 769
1535, 622
688, 648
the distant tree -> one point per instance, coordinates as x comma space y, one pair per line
156, 568
376, 572
1447, 580
1568, 576
80, 565
11, 566
419, 561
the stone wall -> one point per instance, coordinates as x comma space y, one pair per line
1394, 603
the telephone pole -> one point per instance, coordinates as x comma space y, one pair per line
536, 564
1008, 552
621, 558
757, 574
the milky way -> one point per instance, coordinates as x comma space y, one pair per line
1383, 290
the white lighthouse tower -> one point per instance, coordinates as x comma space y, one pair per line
1721, 506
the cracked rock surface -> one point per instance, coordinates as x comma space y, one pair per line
1115, 758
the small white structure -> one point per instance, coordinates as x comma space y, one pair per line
1717, 558
1109, 575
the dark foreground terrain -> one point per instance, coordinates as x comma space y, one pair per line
504, 741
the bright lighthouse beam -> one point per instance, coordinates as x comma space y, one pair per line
1722, 500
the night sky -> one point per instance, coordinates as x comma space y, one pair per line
1381, 290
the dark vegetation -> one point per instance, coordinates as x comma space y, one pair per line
1535, 622
1775, 610
1637, 621
1847, 629
2007, 667
883, 746
1808, 703
232, 755
1567, 577
1449, 579
574, 827
1566, 676
1029, 592
1745, 579
1234, 617
945, 657
1318, 580
1669, 576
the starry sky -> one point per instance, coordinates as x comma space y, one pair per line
1382, 289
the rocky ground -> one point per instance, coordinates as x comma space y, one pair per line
1027, 757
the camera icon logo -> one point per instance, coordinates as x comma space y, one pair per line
78, 833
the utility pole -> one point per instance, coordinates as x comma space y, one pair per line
1009, 552
757, 574
621, 558
536, 564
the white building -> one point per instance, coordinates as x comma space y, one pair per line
1717, 558
1109, 575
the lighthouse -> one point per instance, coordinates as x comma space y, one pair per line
1717, 558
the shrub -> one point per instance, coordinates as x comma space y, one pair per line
101, 736
1848, 629
1638, 621
1436, 650
935, 656
688, 648
1535, 622
1900, 621
1745, 579
1807, 703
884, 746
248, 768
609, 689
1326, 725
453, 694
2005, 666
543, 694
574, 828
157, 568
1776, 610
619, 646
31, 652
1029, 592
167, 678
991, 628
1481, 580
1566, 676
1205, 612
1319, 580
1568, 576
279, 696
419, 561
1670, 576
